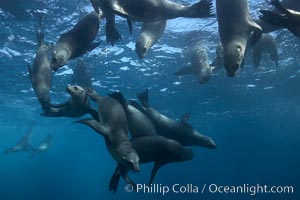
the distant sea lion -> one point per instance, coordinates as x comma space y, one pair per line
266, 44
41, 73
289, 4
199, 64
23, 144
150, 11
151, 32
77, 41
138, 123
77, 106
181, 131
289, 19
81, 75
43, 147
236, 30
157, 149
112, 125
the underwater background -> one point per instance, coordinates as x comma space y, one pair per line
253, 118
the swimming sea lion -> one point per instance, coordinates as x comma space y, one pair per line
289, 19
41, 74
199, 64
181, 131
23, 144
289, 4
112, 125
151, 32
157, 149
265, 44
77, 41
236, 30
138, 123
77, 106
149, 11
43, 147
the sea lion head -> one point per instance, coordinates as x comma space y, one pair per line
132, 161
57, 59
9, 150
142, 47
178, 153
204, 75
233, 57
76, 91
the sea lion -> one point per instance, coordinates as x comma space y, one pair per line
112, 125
265, 44
41, 74
23, 143
43, 147
199, 64
81, 75
157, 149
138, 123
181, 131
77, 41
289, 19
289, 4
151, 32
77, 106
149, 11
236, 30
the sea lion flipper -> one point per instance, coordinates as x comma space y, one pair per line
112, 34
129, 180
93, 46
96, 6
185, 71
154, 171
115, 179
120, 98
144, 98
95, 125
129, 22
91, 93
256, 33
257, 54
273, 18
94, 113
137, 106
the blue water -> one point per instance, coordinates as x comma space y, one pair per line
253, 118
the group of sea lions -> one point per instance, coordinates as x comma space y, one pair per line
24, 145
153, 137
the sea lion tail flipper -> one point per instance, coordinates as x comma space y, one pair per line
202, 9
256, 33
120, 98
256, 57
154, 171
112, 34
185, 71
115, 179
144, 98
95, 125
129, 22
273, 18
